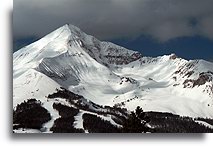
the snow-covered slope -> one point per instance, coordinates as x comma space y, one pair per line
32, 84
108, 74
162, 87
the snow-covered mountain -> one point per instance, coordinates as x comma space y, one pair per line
108, 74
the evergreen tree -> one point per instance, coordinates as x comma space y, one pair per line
136, 122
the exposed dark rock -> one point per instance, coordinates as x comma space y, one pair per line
201, 80
188, 74
173, 57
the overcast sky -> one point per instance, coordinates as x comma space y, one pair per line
109, 19
161, 20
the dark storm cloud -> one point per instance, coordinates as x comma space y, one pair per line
110, 19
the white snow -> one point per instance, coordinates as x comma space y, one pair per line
32, 84
24, 130
204, 123
78, 123
71, 59
54, 115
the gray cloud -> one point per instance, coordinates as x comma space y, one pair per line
110, 19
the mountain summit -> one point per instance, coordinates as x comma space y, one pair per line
110, 75
71, 40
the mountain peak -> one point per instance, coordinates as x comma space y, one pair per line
71, 40
72, 30
109, 75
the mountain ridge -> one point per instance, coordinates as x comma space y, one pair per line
108, 74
